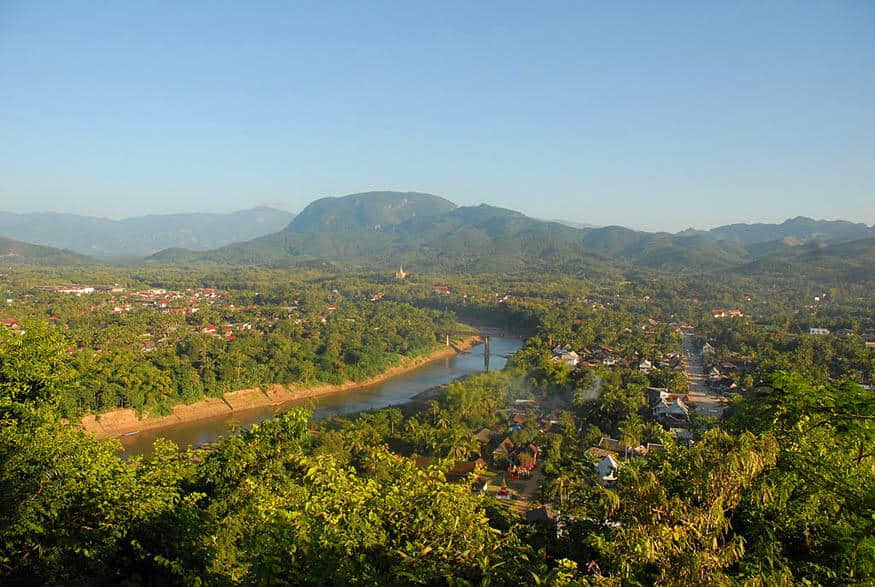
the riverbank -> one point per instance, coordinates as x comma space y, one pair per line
122, 422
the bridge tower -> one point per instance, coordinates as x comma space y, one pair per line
486, 353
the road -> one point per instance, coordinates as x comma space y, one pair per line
703, 401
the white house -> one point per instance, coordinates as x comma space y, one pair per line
606, 468
75, 290
707, 349
818, 331
570, 358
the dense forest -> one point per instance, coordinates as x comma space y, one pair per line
495, 479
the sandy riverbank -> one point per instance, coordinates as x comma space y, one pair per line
120, 422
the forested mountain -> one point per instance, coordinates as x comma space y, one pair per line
371, 211
143, 235
852, 260
406, 228
793, 230
383, 229
15, 252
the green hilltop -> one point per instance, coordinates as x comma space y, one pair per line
383, 229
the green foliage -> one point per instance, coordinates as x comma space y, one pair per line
780, 491
35, 369
73, 511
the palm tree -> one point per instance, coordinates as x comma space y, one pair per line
631, 431
394, 416
461, 444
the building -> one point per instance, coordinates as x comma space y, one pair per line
606, 469
400, 274
818, 331
721, 313
75, 290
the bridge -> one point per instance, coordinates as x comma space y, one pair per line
484, 334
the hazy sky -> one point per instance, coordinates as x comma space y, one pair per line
656, 115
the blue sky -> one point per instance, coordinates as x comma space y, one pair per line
651, 115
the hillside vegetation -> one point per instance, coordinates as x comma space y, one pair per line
18, 253
385, 229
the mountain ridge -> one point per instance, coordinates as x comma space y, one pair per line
140, 236
16, 252
384, 228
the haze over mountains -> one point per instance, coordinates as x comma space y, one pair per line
383, 229
144, 235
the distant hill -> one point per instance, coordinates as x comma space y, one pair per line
853, 260
792, 231
14, 252
143, 235
571, 223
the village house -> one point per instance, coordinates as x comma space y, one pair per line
818, 331
461, 469
667, 408
458, 471
721, 313
671, 412
516, 421
707, 349
607, 470
503, 450
441, 289
570, 358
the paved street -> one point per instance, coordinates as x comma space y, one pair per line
703, 401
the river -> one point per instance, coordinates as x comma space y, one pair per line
397, 390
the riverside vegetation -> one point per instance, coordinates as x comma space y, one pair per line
781, 490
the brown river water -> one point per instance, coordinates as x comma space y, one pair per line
395, 391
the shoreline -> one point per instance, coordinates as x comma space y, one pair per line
125, 422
